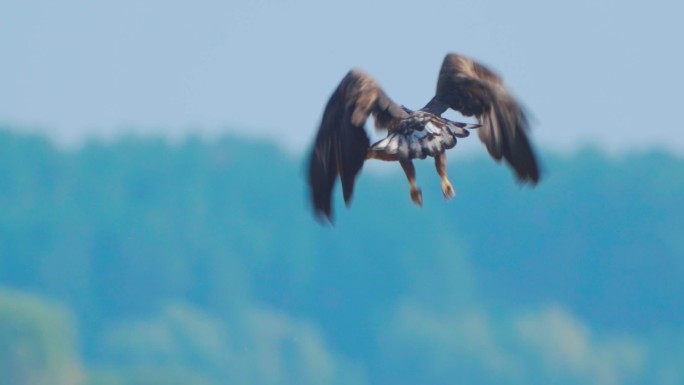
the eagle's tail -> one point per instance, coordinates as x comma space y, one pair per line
434, 139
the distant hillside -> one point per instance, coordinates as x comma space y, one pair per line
201, 263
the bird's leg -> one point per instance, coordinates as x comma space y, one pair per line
410, 171
440, 165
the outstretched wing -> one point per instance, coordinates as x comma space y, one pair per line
474, 90
342, 142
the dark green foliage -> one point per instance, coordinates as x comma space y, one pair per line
202, 263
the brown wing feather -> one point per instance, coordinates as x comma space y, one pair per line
474, 90
342, 142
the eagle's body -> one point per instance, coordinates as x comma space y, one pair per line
342, 144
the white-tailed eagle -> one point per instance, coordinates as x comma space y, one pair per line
342, 144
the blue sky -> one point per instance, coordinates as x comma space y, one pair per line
601, 72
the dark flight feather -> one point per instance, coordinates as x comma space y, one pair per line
474, 90
342, 143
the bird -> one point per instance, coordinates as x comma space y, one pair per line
342, 145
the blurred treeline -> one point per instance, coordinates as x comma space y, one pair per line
143, 262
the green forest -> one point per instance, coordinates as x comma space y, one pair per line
144, 262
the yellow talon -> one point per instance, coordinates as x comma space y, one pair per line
448, 190
417, 196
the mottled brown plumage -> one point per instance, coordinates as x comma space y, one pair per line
342, 144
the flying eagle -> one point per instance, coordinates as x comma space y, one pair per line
342, 144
